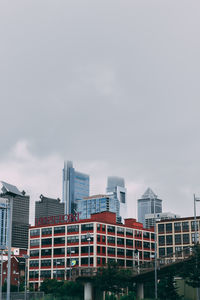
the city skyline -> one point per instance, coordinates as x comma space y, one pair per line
111, 86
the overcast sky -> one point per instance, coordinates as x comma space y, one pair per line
112, 85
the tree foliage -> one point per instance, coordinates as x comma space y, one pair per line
61, 288
113, 279
167, 289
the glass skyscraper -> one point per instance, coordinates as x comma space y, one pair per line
98, 203
75, 187
3, 221
146, 205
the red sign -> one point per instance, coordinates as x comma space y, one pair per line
53, 220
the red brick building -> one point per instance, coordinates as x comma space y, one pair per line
52, 246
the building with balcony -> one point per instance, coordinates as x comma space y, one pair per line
59, 250
175, 237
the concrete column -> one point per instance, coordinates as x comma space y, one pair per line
87, 291
140, 291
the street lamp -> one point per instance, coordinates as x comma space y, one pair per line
9, 191
2, 248
195, 234
88, 237
26, 257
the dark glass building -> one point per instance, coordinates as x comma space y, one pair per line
75, 187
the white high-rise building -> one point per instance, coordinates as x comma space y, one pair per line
4, 215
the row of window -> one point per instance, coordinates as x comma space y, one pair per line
60, 251
179, 251
178, 226
59, 240
177, 239
90, 227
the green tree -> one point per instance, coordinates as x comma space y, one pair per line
51, 286
167, 289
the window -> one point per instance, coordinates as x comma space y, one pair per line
104, 228
160, 228
120, 262
120, 241
87, 227
193, 225
58, 262
47, 230
122, 197
186, 239
177, 226
34, 232
193, 237
84, 261
138, 234
84, 249
169, 251
120, 251
129, 253
169, 240
161, 252
104, 250
46, 242
146, 245
45, 263
59, 240
98, 249
111, 240
120, 230
152, 246
73, 228
111, 251
152, 236
185, 226
169, 227
129, 263
34, 243
60, 229
98, 238
138, 244
34, 253
146, 235
59, 274
73, 239
45, 274
146, 254
33, 274
111, 229
161, 240
98, 260
84, 238
45, 252
74, 250
177, 239
129, 242
103, 238
33, 263
178, 251
129, 232
59, 251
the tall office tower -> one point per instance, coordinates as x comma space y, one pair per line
117, 185
75, 187
146, 205
98, 203
20, 221
20, 215
48, 207
3, 221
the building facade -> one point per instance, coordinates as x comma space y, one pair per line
146, 205
98, 203
117, 185
20, 221
55, 249
4, 218
75, 187
48, 207
150, 218
175, 237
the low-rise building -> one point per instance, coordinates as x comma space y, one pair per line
175, 237
150, 218
55, 248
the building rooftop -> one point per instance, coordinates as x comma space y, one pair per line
149, 194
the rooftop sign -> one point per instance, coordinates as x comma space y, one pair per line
53, 220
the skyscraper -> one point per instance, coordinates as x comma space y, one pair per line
3, 221
98, 203
117, 185
75, 187
146, 205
